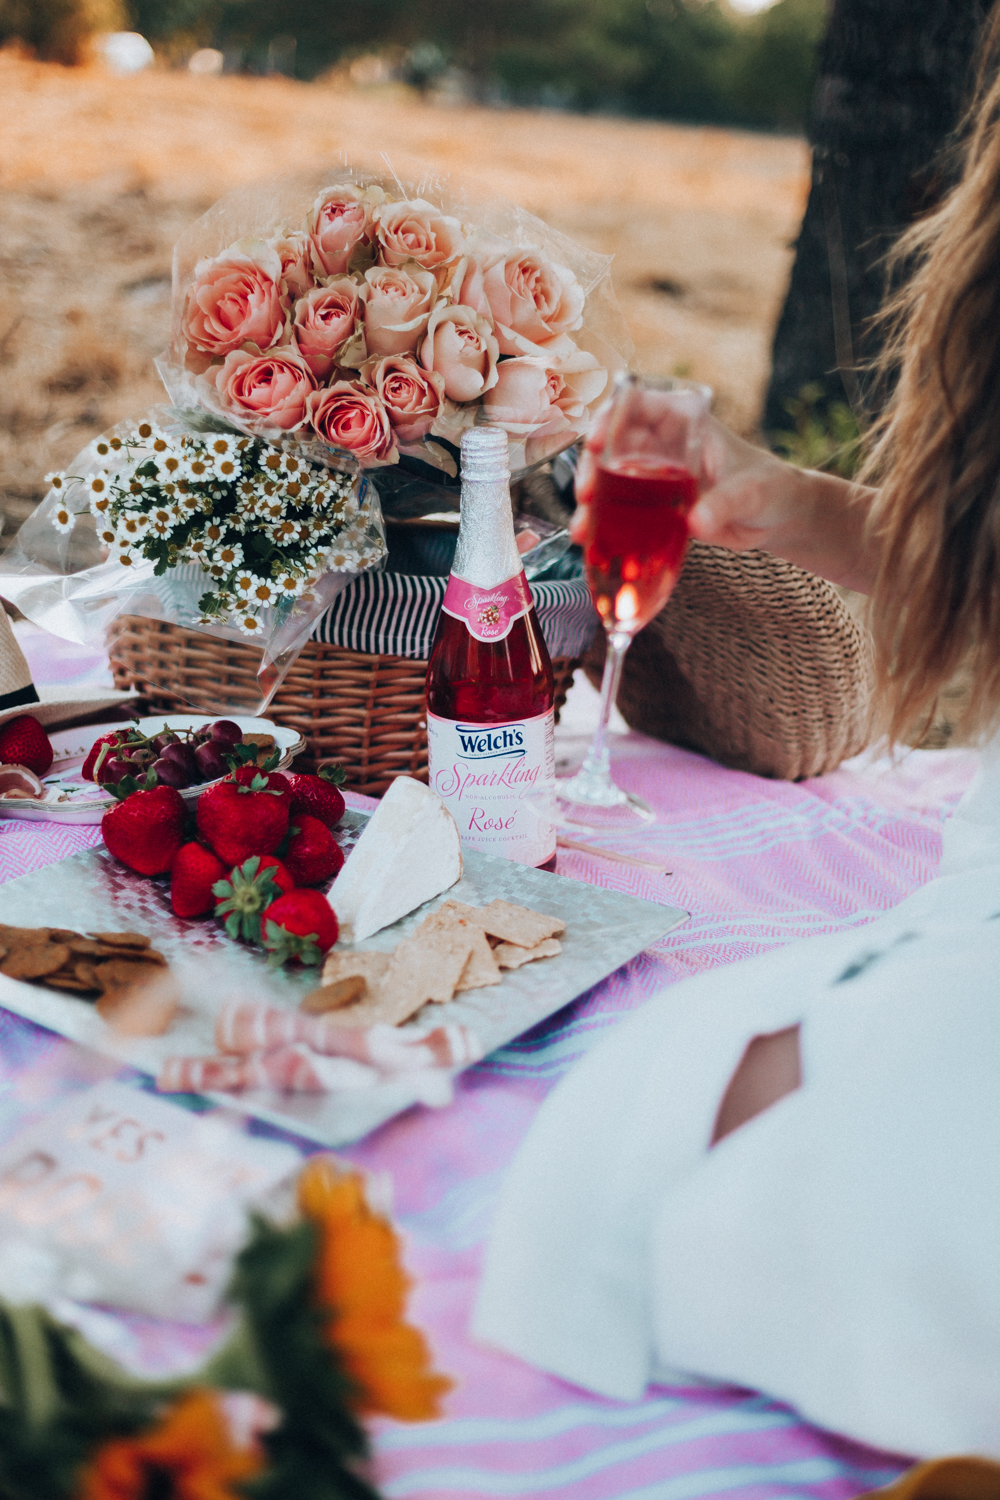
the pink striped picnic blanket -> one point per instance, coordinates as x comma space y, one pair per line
756, 863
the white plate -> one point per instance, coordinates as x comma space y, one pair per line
70, 799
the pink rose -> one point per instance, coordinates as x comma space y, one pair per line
540, 401
325, 320
532, 301
397, 306
263, 390
339, 223
460, 346
412, 397
526, 397
234, 300
416, 231
294, 250
348, 415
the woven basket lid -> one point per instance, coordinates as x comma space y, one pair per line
755, 663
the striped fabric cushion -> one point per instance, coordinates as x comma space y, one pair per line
396, 614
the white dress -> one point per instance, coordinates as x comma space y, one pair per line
841, 1251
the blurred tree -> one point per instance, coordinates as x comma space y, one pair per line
774, 71
893, 77
59, 30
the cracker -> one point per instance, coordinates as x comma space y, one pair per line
480, 969
369, 964
431, 960
69, 982
511, 923
333, 996
123, 939
424, 967
511, 956
123, 973
14, 938
86, 973
35, 961
61, 934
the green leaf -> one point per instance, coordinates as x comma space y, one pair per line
315, 1452
335, 775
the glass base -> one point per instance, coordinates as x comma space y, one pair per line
590, 803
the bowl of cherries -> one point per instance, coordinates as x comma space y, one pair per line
185, 751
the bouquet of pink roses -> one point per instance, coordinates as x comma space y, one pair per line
383, 317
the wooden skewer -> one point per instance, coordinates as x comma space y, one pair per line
623, 859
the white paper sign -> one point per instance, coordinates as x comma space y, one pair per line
122, 1198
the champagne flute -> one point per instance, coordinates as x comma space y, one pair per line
645, 483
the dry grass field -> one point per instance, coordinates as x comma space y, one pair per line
99, 175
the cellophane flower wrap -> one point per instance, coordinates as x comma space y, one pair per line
381, 308
332, 336
180, 517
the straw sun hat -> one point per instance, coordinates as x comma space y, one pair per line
50, 706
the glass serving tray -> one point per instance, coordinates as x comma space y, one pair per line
92, 892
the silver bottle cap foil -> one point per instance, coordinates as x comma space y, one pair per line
484, 454
486, 553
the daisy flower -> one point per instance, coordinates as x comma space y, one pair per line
249, 624
229, 554
64, 519
263, 593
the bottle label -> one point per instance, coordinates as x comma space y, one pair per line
488, 613
482, 772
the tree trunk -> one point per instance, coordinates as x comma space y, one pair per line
893, 79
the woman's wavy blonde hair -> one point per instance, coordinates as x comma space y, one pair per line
935, 452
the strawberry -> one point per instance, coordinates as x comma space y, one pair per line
301, 925
146, 830
239, 819
316, 795
246, 891
115, 738
274, 781
194, 872
23, 742
312, 854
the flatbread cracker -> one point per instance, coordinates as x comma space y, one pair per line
369, 964
511, 923
480, 969
424, 967
511, 956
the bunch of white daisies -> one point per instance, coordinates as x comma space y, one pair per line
261, 521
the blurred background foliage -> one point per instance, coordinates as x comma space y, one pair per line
693, 60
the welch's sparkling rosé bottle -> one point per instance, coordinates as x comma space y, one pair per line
490, 695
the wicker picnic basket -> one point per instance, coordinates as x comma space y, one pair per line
364, 710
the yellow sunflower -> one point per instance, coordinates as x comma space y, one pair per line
359, 1278
189, 1455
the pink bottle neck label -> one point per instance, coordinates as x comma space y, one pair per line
488, 613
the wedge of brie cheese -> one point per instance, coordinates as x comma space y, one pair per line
408, 852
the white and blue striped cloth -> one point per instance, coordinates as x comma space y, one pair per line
396, 614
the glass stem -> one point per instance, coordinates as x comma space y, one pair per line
597, 761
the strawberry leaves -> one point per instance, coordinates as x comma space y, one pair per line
243, 897
284, 946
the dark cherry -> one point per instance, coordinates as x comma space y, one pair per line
161, 741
